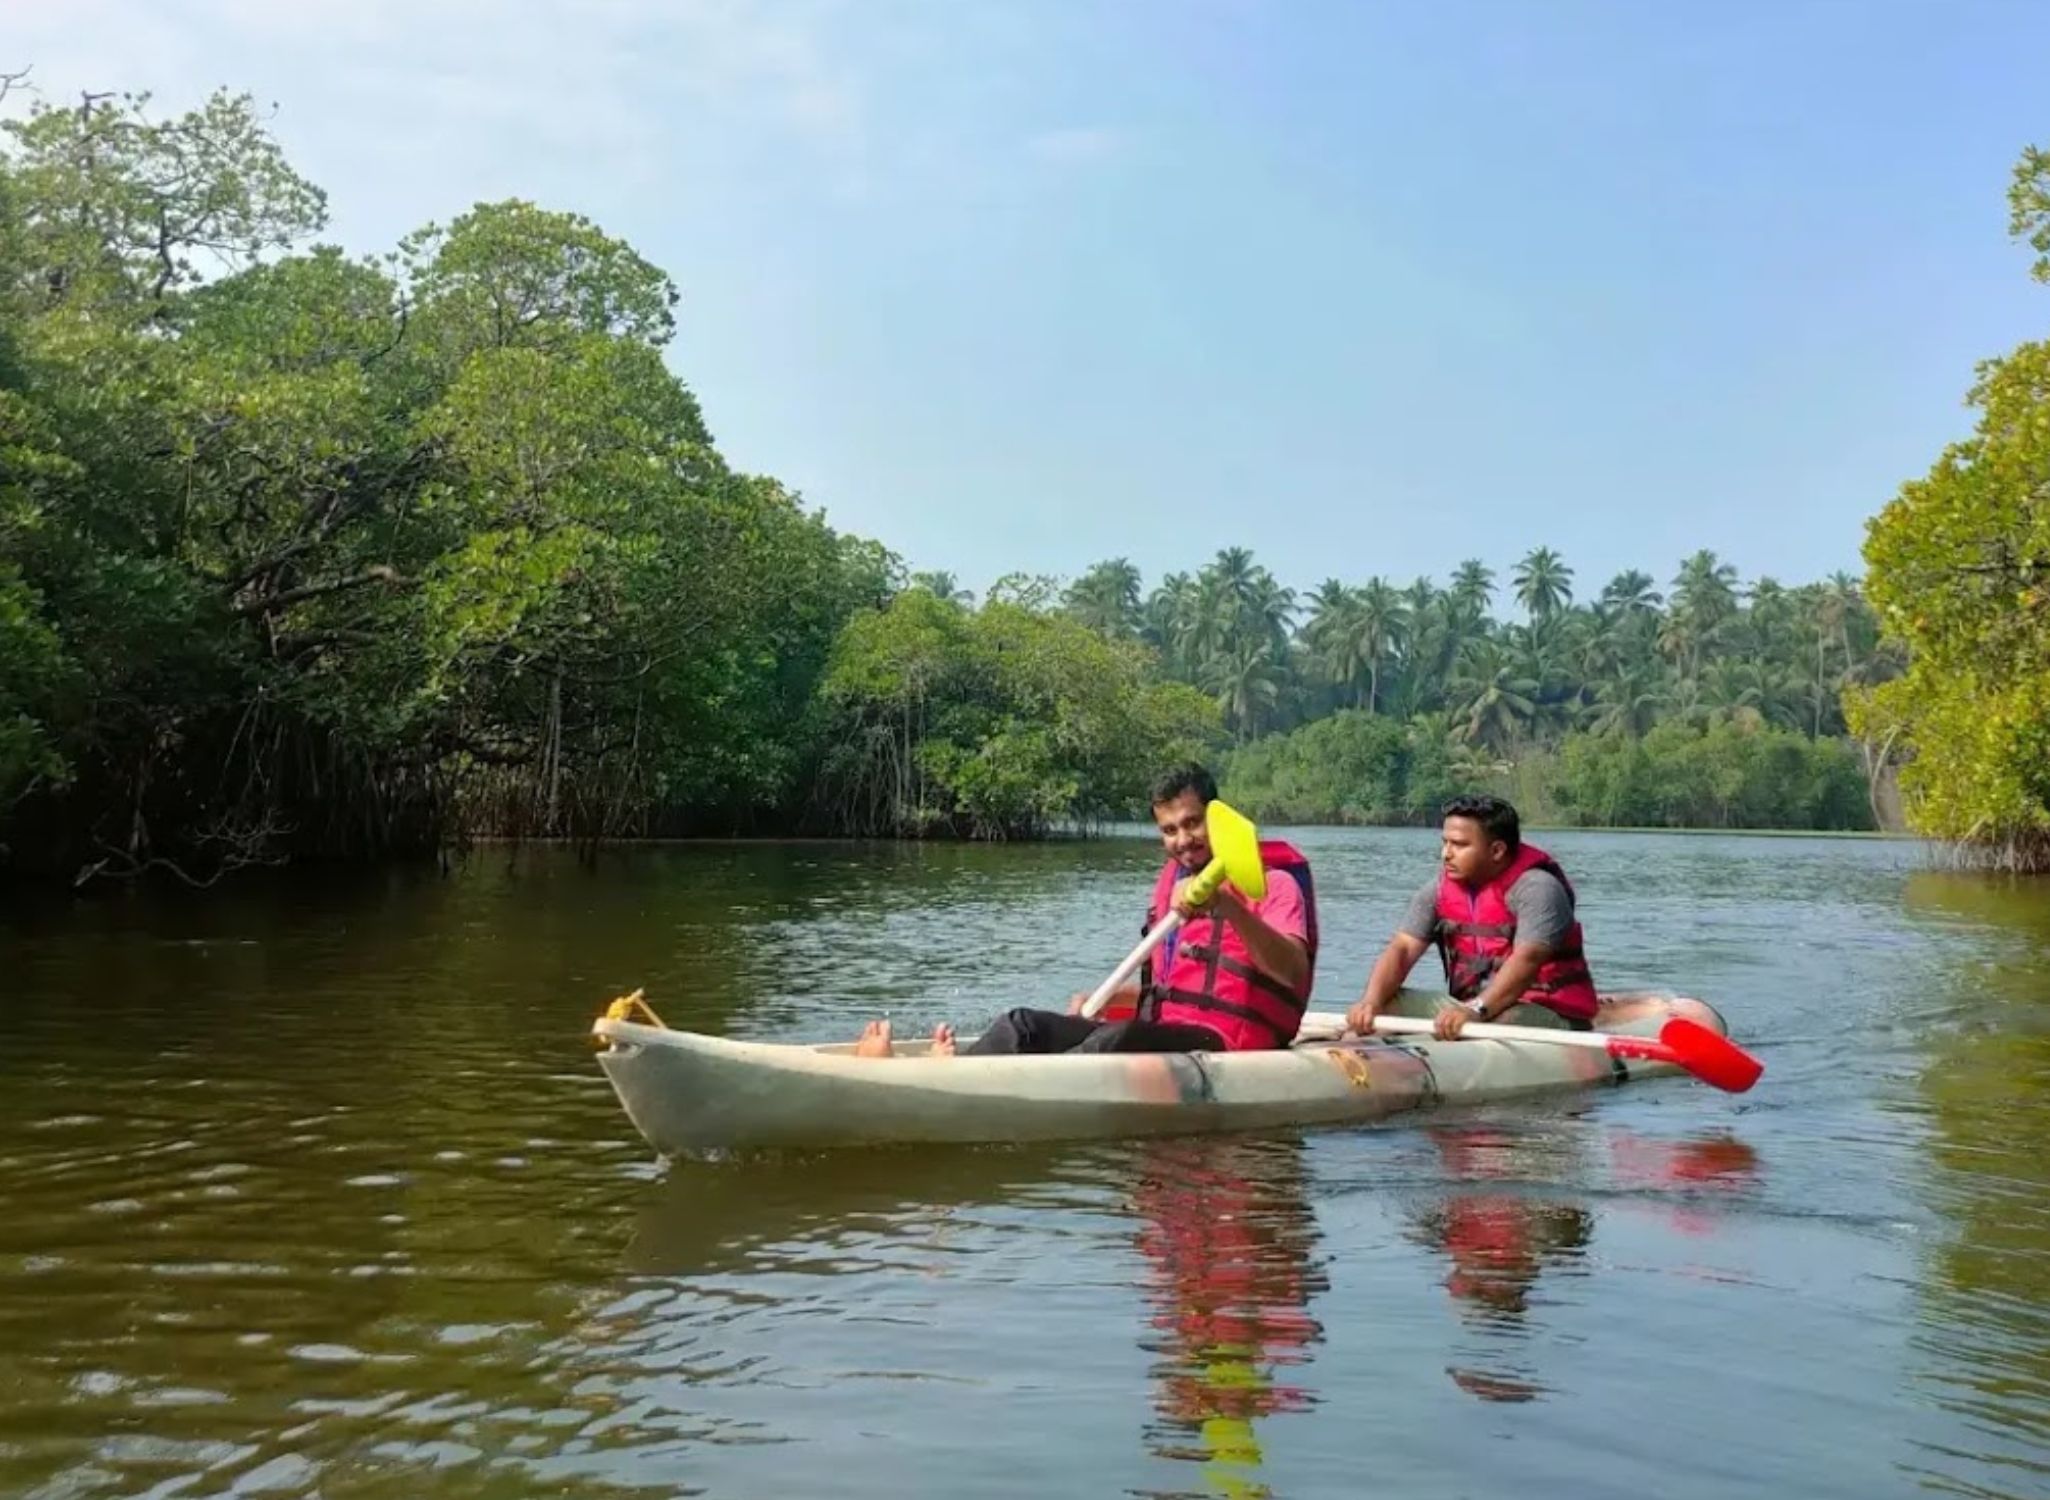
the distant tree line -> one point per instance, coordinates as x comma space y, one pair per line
1626, 659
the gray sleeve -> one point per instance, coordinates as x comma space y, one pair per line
1543, 910
1421, 920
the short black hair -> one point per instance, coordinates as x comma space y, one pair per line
1497, 818
1188, 777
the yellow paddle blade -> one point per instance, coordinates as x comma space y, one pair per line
1235, 844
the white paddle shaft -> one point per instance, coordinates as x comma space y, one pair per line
1130, 966
1321, 1023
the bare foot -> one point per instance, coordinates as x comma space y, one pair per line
875, 1040
942, 1041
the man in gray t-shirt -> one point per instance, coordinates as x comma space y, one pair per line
1482, 840
1539, 902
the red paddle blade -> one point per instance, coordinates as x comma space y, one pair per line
1709, 1056
1642, 1047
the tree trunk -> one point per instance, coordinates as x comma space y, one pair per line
1821, 668
554, 754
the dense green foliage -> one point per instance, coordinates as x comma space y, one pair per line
1620, 663
1353, 767
1718, 706
1733, 772
336, 556
998, 721
303, 554
1960, 570
318, 555
1724, 775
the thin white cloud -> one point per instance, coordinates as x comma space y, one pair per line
476, 78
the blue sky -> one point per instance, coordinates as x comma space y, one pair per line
1367, 288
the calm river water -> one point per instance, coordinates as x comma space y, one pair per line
313, 1187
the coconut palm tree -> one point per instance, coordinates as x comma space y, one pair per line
1834, 602
1169, 617
1540, 653
1106, 598
1543, 582
1704, 600
1494, 702
1473, 586
1419, 597
1214, 618
1247, 682
1378, 626
1267, 610
1323, 635
942, 585
1732, 684
1632, 592
1628, 702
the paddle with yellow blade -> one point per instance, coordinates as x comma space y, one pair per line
1234, 856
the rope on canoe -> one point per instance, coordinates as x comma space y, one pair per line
624, 1007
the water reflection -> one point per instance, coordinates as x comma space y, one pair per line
1693, 1183
1985, 1296
1499, 1242
1228, 1241
1517, 1210
790, 1210
1222, 1231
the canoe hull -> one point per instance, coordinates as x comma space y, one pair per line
690, 1094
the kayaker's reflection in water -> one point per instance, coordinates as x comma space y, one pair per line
1229, 1240
1501, 1243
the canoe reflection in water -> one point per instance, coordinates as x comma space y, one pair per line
1501, 1242
1228, 1245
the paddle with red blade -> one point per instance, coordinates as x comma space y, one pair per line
1709, 1056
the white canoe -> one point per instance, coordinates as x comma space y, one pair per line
689, 1093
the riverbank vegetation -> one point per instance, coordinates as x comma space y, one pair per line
1960, 571
304, 554
1729, 772
1716, 704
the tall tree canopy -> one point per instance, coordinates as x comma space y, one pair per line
1960, 571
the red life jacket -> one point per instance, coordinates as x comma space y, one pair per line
1210, 979
1476, 930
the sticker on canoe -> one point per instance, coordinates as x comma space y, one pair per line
1352, 1065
